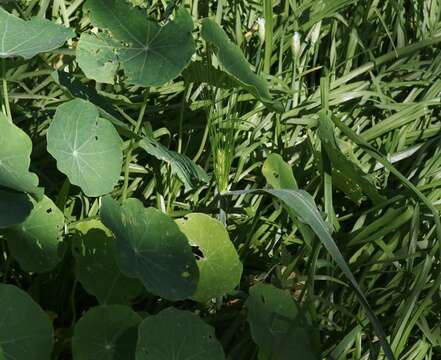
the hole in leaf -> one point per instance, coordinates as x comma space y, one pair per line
96, 137
197, 252
276, 175
49, 210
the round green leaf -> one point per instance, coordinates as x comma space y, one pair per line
96, 268
179, 335
86, 147
25, 329
106, 333
15, 158
36, 243
150, 54
96, 58
14, 208
220, 269
275, 320
151, 247
28, 38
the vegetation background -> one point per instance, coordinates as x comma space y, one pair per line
359, 83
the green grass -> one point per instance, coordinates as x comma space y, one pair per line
371, 71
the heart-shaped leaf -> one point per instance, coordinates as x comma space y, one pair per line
220, 269
151, 247
191, 174
14, 208
150, 54
29, 38
106, 333
96, 268
96, 58
231, 58
25, 329
36, 242
87, 148
277, 325
179, 335
15, 158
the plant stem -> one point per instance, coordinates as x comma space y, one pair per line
5, 108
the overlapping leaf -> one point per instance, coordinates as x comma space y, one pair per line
231, 58
29, 38
15, 153
106, 333
220, 269
150, 54
187, 171
179, 335
151, 247
25, 329
96, 268
278, 326
87, 148
14, 207
36, 243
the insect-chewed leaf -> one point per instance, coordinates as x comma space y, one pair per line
187, 171
96, 269
87, 148
149, 53
29, 38
25, 329
179, 335
14, 208
151, 247
219, 266
275, 320
15, 158
231, 58
105, 333
36, 243
96, 58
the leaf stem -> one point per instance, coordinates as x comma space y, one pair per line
5, 108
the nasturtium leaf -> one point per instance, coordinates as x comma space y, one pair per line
278, 173
106, 332
25, 329
15, 158
96, 269
96, 58
150, 54
231, 58
178, 335
37, 242
151, 247
14, 207
29, 38
220, 269
87, 148
186, 170
278, 326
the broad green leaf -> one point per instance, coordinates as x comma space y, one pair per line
178, 335
231, 58
278, 326
301, 205
36, 243
15, 158
187, 171
106, 333
96, 58
87, 148
220, 269
29, 38
278, 173
14, 208
151, 247
25, 329
95, 265
150, 54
